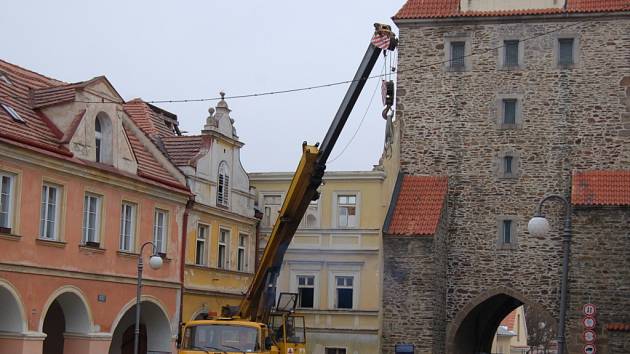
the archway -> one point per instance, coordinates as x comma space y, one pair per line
472, 330
12, 323
155, 330
66, 314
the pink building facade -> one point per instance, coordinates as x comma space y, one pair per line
82, 188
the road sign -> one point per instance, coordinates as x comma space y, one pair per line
589, 336
589, 322
590, 349
589, 310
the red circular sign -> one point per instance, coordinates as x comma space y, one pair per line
589, 336
589, 309
590, 349
589, 322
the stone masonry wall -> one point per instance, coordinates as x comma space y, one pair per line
414, 314
572, 119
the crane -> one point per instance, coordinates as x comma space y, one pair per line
260, 324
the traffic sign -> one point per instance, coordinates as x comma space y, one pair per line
589, 310
590, 349
589, 322
589, 336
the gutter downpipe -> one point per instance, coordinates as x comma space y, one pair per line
189, 206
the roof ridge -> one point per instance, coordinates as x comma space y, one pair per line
40, 77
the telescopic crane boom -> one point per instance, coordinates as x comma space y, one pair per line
260, 297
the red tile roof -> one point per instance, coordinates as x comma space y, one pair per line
603, 188
182, 150
427, 9
148, 119
510, 320
416, 205
29, 90
619, 327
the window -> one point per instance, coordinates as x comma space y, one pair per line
509, 111
510, 53
310, 218
507, 164
242, 253
565, 51
7, 182
49, 212
127, 226
344, 292
507, 231
335, 350
271, 205
202, 239
458, 53
347, 210
4, 77
98, 137
224, 253
160, 229
223, 185
92, 205
306, 291
15, 115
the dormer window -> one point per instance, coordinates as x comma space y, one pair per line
223, 185
103, 138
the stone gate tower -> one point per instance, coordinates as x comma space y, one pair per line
499, 104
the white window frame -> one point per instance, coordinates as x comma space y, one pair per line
160, 231
223, 185
88, 198
131, 236
268, 219
337, 287
306, 268
205, 240
314, 287
335, 348
11, 198
244, 248
226, 248
336, 208
313, 209
344, 269
44, 217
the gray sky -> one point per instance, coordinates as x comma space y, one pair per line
194, 49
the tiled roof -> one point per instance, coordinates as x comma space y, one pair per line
182, 149
619, 327
416, 206
147, 118
601, 188
510, 320
28, 90
427, 9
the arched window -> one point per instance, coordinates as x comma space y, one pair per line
223, 185
103, 138
98, 137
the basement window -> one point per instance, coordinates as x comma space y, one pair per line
15, 115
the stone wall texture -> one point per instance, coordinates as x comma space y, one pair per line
572, 119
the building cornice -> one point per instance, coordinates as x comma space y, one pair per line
94, 174
316, 232
216, 211
121, 279
328, 176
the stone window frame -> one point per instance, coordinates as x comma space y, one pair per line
521, 53
458, 37
501, 245
500, 110
577, 60
516, 162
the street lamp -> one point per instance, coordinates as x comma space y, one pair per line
539, 226
155, 262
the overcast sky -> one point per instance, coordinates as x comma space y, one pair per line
193, 49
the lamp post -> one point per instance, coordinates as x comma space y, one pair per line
539, 226
155, 262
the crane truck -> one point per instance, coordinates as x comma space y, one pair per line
263, 322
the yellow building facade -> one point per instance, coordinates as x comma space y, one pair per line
334, 262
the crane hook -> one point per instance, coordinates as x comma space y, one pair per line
388, 112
